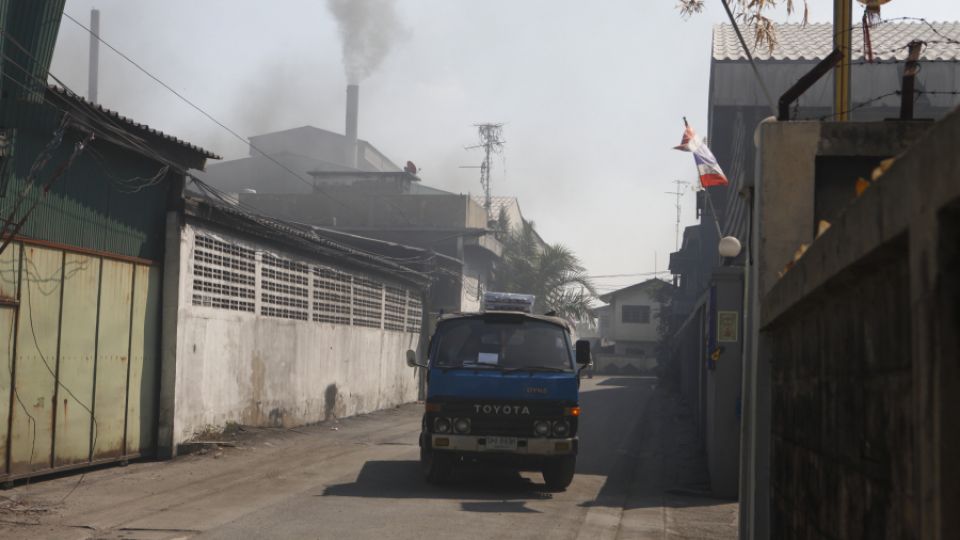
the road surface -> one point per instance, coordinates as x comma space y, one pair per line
359, 478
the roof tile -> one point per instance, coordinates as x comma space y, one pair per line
815, 41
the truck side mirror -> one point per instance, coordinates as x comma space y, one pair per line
583, 352
412, 359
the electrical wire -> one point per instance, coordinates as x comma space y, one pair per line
129, 185
142, 148
78, 148
746, 50
232, 132
635, 274
36, 342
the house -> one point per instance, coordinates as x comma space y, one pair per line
629, 327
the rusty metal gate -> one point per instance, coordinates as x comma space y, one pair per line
79, 346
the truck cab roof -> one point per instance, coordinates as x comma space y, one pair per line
512, 314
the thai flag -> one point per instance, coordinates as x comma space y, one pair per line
710, 172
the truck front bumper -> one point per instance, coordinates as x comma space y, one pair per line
525, 446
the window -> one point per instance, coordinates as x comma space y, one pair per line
635, 314
502, 343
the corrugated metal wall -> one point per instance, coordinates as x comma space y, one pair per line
80, 355
34, 26
109, 200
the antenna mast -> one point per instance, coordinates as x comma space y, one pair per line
491, 143
678, 194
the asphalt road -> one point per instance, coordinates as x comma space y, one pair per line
360, 479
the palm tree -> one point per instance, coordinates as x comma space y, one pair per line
551, 272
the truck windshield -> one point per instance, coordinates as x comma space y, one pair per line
515, 344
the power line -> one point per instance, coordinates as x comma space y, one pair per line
199, 109
637, 274
138, 146
746, 50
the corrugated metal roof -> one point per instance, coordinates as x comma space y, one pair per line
815, 41
313, 238
134, 124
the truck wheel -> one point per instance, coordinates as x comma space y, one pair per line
558, 472
436, 466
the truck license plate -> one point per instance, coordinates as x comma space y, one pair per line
501, 443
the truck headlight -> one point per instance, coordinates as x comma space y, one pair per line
561, 428
541, 428
462, 425
441, 425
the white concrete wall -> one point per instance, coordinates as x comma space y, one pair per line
236, 366
607, 363
470, 296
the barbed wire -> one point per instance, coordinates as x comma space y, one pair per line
875, 99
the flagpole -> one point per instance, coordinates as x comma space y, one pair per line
713, 211
706, 192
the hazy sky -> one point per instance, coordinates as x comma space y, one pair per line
592, 94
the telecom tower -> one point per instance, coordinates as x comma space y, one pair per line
491, 143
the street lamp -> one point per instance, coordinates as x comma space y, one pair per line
729, 247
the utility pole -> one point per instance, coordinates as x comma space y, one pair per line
678, 194
842, 35
491, 143
94, 73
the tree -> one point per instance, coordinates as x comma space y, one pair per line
751, 13
551, 272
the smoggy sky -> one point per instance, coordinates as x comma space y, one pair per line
592, 95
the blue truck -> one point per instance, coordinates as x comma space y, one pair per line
502, 389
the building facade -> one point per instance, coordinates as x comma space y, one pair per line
629, 327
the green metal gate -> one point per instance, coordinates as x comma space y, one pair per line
80, 349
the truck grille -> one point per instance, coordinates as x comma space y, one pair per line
510, 427
506, 425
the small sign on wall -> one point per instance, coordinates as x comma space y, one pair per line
727, 322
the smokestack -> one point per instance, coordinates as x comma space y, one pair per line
93, 74
353, 109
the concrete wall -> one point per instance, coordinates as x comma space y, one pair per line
785, 203
861, 338
241, 358
621, 364
723, 381
784, 206
708, 357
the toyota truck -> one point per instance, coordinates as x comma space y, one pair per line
502, 389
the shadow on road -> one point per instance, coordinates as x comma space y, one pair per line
632, 433
504, 488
